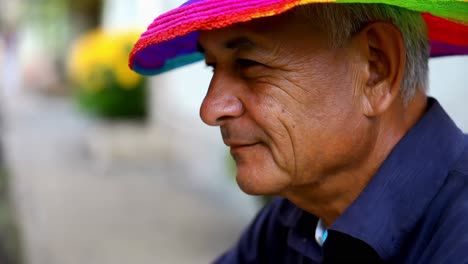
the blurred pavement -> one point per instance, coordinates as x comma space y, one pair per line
95, 193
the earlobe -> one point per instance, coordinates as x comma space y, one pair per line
384, 51
377, 99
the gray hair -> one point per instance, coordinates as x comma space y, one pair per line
341, 21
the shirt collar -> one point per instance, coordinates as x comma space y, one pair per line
401, 190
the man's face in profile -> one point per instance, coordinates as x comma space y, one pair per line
285, 102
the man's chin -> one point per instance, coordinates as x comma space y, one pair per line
251, 190
257, 185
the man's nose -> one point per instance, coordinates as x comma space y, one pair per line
222, 102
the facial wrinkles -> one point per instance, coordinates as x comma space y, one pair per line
278, 132
292, 84
301, 99
331, 101
287, 76
286, 82
302, 71
264, 91
273, 89
293, 146
358, 85
298, 97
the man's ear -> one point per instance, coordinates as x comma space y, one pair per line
383, 50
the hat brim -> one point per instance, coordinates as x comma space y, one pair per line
171, 40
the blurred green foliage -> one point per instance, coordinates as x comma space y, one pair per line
113, 102
104, 85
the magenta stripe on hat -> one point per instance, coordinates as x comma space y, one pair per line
190, 14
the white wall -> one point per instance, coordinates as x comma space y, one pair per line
449, 84
127, 14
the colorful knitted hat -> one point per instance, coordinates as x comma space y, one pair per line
171, 40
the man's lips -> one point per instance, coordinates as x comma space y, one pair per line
240, 146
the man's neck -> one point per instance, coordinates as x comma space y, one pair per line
329, 197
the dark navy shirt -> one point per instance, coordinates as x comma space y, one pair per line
414, 210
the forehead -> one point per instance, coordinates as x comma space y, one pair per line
261, 33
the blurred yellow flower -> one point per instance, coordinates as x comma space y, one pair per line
99, 59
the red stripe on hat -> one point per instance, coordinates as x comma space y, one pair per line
446, 31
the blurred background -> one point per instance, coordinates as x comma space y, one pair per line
100, 165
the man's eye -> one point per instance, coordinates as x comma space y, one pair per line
245, 63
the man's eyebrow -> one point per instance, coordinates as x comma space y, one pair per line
235, 43
239, 43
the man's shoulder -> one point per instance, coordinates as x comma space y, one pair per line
461, 166
454, 192
455, 188
449, 213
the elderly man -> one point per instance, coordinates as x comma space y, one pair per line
325, 106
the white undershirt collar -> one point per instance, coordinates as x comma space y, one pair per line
321, 233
